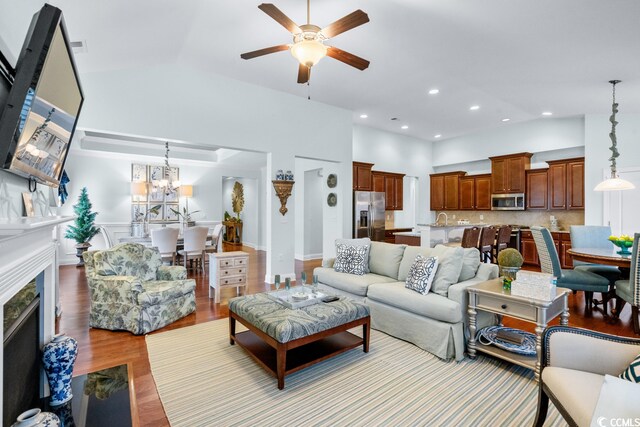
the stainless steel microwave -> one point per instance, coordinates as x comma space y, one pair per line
507, 202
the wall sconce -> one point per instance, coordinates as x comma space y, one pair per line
283, 191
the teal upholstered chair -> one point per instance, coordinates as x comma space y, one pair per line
577, 280
594, 236
629, 290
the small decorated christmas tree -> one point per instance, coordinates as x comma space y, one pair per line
84, 228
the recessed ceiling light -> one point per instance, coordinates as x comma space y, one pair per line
363, 116
437, 136
404, 127
434, 91
505, 120
547, 113
474, 107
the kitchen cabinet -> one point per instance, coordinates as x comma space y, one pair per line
377, 181
392, 185
508, 173
475, 192
529, 251
362, 176
536, 194
566, 184
445, 190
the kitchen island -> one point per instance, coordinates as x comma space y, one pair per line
449, 235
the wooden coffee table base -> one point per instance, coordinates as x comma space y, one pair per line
282, 359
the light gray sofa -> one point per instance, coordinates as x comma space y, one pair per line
436, 322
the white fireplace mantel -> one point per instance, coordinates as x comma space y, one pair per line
27, 249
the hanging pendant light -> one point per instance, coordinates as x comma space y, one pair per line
614, 183
167, 185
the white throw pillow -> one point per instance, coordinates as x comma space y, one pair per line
421, 274
365, 241
351, 259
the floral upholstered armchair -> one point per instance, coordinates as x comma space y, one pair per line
131, 290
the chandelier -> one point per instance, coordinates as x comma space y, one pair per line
614, 183
167, 185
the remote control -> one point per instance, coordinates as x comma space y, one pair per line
330, 298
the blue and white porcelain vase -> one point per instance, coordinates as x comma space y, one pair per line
58, 358
36, 418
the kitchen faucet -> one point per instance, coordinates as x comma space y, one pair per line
446, 218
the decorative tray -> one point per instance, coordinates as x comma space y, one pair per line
296, 297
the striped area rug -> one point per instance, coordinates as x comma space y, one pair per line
203, 381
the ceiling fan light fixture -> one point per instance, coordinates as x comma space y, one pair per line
309, 52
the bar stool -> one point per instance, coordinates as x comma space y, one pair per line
487, 240
470, 237
503, 238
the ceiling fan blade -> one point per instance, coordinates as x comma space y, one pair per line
352, 20
280, 17
265, 51
304, 73
347, 58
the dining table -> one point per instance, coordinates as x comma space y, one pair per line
604, 256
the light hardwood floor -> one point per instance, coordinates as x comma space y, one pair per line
100, 348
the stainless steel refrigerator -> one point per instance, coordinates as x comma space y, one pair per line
368, 215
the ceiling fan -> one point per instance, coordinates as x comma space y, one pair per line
308, 40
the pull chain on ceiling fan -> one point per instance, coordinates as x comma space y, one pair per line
308, 40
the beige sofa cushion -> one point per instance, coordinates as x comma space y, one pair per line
450, 260
430, 305
384, 259
577, 391
351, 283
470, 264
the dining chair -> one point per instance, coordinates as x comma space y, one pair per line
166, 240
576, 280
216, 240
487, 240
195, 239
470, 237
503, 237
594, 236
109, 241
628, 291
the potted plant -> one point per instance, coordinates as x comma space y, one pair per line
510, 261
185, 216
84, 227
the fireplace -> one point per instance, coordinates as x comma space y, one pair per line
27, 251
22, 362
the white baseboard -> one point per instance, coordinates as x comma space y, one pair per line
308, 257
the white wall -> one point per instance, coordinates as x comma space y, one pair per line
397, 153
313, 201
537, 136
184, 104
332, 217
597, 153
250, 212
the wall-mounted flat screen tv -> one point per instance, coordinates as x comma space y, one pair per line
42, 108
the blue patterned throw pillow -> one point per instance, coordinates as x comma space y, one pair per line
351, 259
421, 274
632, 373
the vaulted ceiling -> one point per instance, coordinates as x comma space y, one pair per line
513, 58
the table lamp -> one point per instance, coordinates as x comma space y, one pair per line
186, 191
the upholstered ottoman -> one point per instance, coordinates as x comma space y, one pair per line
284, 340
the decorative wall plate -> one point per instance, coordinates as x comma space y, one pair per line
332, 199
332, 180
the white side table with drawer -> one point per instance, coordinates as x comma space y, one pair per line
489, 296
227, 269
